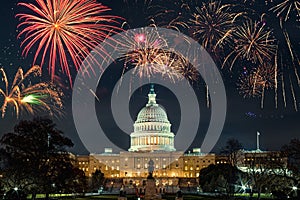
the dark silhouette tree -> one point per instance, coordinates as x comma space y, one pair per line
292, 152
232, 151
221, 178
97, 180
35, 157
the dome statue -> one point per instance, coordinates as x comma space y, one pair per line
152, 129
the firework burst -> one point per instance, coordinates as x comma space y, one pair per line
253, 42
22, 94
63, 29
171, 14
141, 50
213, 24
248, 85
149, 55
258, 81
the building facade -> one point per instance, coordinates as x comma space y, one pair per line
151, 139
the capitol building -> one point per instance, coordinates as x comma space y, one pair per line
152, 139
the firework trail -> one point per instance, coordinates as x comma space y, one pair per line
285, 8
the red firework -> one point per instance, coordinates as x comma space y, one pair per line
62, 29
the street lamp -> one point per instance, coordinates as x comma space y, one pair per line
16, 189
294, 188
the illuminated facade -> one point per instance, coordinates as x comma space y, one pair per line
151, 139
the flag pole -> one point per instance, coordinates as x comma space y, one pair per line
257, 140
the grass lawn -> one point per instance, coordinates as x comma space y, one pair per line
167, 197
132, 197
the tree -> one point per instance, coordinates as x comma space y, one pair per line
232, 151
221, 178
35, 158
292, 152
97, 180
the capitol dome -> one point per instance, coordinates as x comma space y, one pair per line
152, 129
152, 114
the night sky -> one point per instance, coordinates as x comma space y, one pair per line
244, 116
